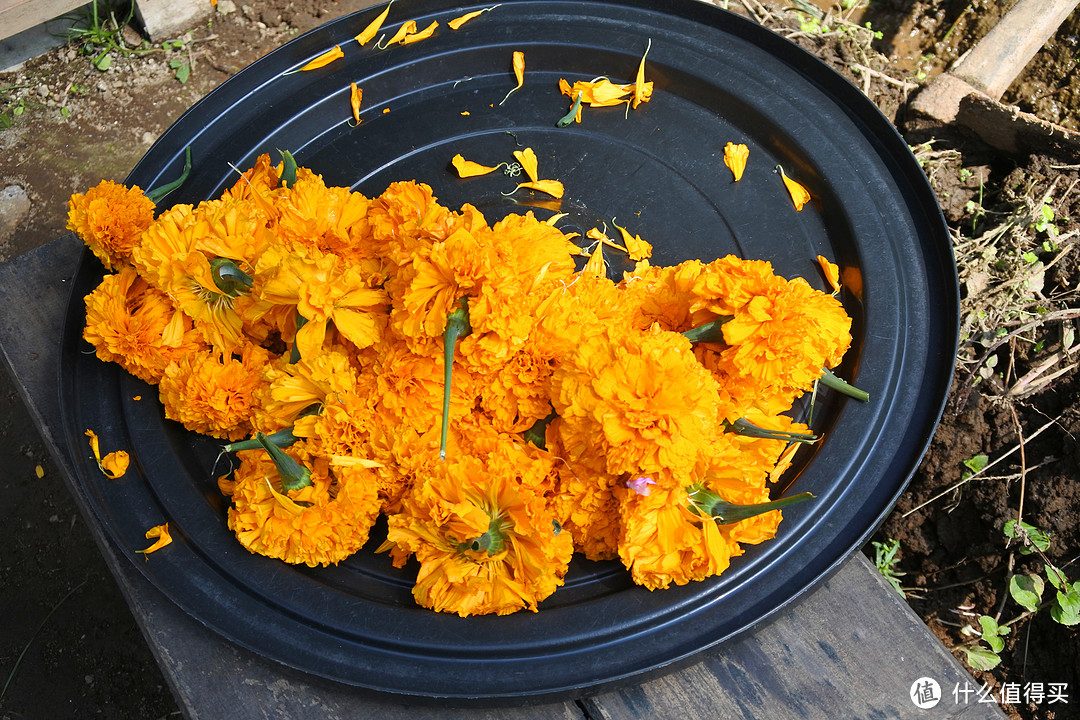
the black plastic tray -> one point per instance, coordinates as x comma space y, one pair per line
657, 170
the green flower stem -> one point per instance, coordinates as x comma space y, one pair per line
709, 332
294, 356
288, 172
569, 117
229, 278
706, 503
831, 381
282, 438
742, 426
293, 475
158, 194
457, 326
491, 542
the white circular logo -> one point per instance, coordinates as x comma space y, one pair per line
925, 693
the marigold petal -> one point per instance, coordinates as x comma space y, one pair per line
374, 26
161, 532
422, 35
735, 157
468, 168
529, 163
356, 96
799, 194
831, 271
459, 21
326, 58
115, 464
406, 29
554, 188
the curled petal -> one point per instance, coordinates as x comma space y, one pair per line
406, 29
326, 58
422, 35
373, 27
356, 96
799, 195
161, 532
115, 464
831, 272
459, 21
518, 63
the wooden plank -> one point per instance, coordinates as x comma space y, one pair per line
19, 15
852, 648
166, 19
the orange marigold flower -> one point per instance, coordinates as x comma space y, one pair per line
109, 218
440, 275
585, 502
639, 399
330, 219
325, 290
178, 254
784, 338
486, 542
406, 218
665, 295
409, 388
136, 326
663, 542
296, 387
321, 524
213, 395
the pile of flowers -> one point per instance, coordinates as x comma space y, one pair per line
503, 408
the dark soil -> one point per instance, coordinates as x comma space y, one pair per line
83, 655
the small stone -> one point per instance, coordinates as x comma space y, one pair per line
148, 138
43, 90
225, 7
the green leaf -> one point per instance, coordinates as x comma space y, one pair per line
977, 463
1066, 607
992, 632
65, 111
1057, 578
1030, 257
1027, 590
981, 658
183, 73
1032, 537
103, 63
